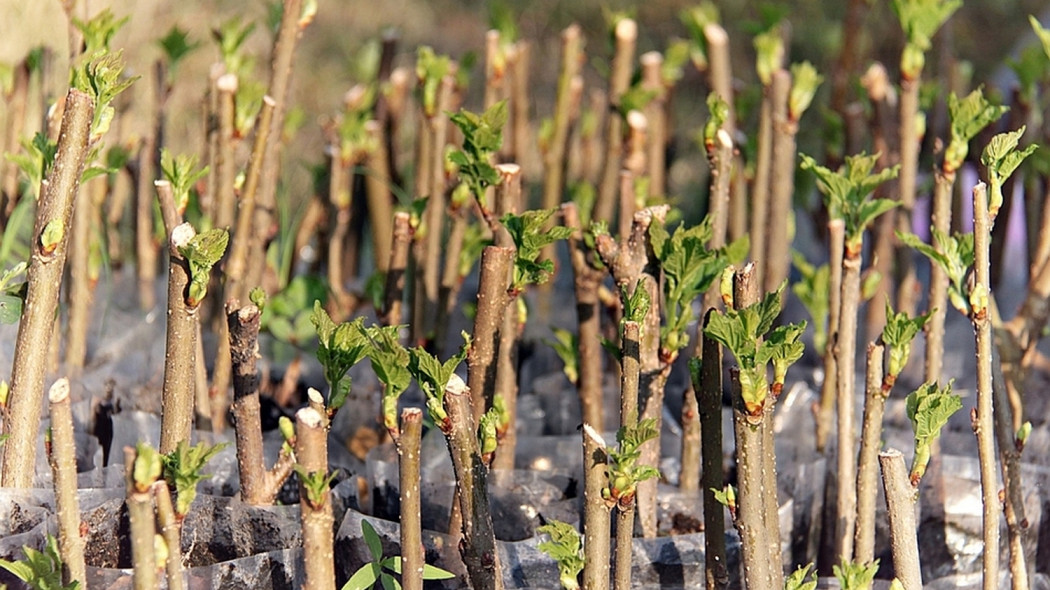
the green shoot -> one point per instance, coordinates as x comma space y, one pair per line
147, 468
433, 377
99, 30
566, 548
695, 20
719, 112
856, 576
802, 579
248, 102
41, 570
675, 57
813, 291
10, 294
482, 138
287, 429
531, 234
689, 269
180, 172
952, 253
340, 347
430, 69
1001, 157
769, 47
100, 77
1021, 437
624, 471
635, 305
727, 497
968, 115
176, 46
183, 469
377, 570
897, 335
805, 81
929, 407
846, 194
488, 429
287, 314
389, 360
567, 346
230, 36
316, 484
37, 160
202, 253
920, 19
742, 332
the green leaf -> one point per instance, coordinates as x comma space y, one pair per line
856, 576
719, 112
897, 335
769, 48
567, 346
532, 232
1001, 158
365, 577
100, 76
920, 19
180, 172
952, 253
805, 81
202, 252
846, 193
147, 467
230, 36
176, 45
812, 290
316, 484
42, 570
183, 469
929, 407
566, 548
802, 579
375, 544
99, 30
340, 348
968, 116
433, 376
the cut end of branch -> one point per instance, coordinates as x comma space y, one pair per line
626, 30
309, 417
411, 415
227, 83
59, 391
314, 396
456, 386
725, 141
876, 81
182, 234
651, 59
593, 434
636, 121
716, 35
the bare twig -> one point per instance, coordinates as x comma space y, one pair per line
64, 469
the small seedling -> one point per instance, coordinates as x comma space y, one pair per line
41, 570
897, 335
379, 569
566, 548
531, 234
624, 471
1001, 157
183, 469
433, 377
856, 576
929, 407
202, 252
340, 347
316, 484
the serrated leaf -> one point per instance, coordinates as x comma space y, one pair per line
566, 548
856, 576
969, 116
928, 408
801, 579
847, 190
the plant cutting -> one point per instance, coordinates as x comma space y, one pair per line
846, 195
566, 548
143, 466
62, 457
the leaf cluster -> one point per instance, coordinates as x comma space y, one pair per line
432, 375
378, 570
929, 407
1001, 157
920, 19
532, 232
624, 471
968, 116
99, 30
230, 36
489, 426
769, 50
897, 335
286, 315
430, 69
100, 76
805, 81
36, 161
954, 254
566, 548
846, 193
181, 172
802, 579
813, 291
389, 360
695, 19
482, 138
202, 253
718, 110
183, 469
340, 347
316, 484
856, 576
147, 467
41, 570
